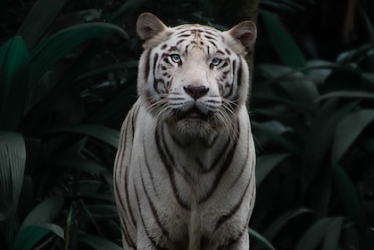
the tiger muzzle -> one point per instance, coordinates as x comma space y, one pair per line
196, 91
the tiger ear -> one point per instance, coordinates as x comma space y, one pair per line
148, 25
246, 33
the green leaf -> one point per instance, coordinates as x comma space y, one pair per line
260, 239
355, 55
99, 132
333, 233
280, 223
12, 168
301, 90
367, 24
14, 66
29, 237
261, 98
346, 94
45, 212
276, 137
37, 21
53, 228
320, 138
282, 72
320, 231
348, 130
52, 49
348, 195
265, 164
99, 243
283, 43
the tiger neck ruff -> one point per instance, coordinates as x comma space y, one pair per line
184, 170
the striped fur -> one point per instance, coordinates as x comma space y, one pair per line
184, 170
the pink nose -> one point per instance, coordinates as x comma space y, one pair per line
196, 91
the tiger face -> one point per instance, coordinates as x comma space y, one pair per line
194, 77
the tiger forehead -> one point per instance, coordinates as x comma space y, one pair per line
197, 32
186, 37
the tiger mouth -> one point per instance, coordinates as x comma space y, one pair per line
193, 114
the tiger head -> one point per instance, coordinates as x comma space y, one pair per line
193, 77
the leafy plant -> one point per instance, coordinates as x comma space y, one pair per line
312, 123
68, 77
55, 170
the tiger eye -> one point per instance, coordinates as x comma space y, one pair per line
215, 61
176, 58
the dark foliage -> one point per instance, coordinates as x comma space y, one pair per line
68, 77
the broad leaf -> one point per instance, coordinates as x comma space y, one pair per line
321, 232
280, 223
12, 168
14, 65
282, 42
276, 136
320, 138
333, 233
348, 130
39, 18
52, 49
45, 212
29, 237
260, 239
265, 164
346, 94
348, 195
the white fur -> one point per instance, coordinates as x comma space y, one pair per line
164, 166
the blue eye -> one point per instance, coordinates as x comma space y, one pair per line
216, 61
175, 58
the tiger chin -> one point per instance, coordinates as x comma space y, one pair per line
184, 170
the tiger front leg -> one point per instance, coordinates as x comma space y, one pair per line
240, 244
144, 242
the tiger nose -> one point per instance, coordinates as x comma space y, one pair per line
196, 91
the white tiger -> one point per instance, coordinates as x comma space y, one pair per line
184, 170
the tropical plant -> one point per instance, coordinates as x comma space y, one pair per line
68, 77
56, 155
312, 121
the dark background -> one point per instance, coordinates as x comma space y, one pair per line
68, 76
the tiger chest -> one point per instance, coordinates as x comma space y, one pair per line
178, 185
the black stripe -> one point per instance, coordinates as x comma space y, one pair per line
245, 161
155, 59
223, 169
148, 64
128, 239
219, 156
233, 211
149, 169
145, 228
183, 35
179, 42
127, 196
207, 144
240, 74
233, 81
231, 242
153, 209
169, 163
